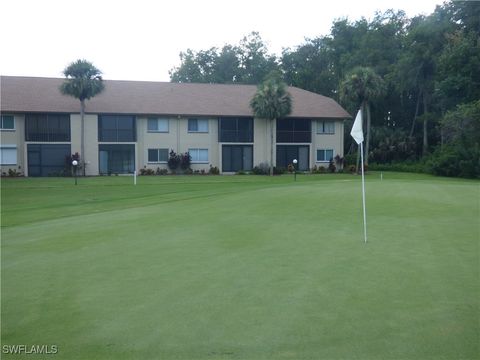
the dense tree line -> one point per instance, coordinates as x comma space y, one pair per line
418, 80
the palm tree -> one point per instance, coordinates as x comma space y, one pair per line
363, 85
82, 81
271, 101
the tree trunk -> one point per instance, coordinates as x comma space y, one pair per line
412, 129
82, 135
367, 142
425, 125
272, 122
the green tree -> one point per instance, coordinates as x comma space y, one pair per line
363, 86
271, 101
82, 81
459, 154
247, 63
417, 65
309, 67
458, 79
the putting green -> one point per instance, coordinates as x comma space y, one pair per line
241, 267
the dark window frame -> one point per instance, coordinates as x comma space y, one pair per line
323, 128
290, 130
45, 127
242, 130
119, 133
157, 151
195, 129
2, 122
231, 161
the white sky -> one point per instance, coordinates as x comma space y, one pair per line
142, 39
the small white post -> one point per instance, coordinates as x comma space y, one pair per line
135, 177
381, 176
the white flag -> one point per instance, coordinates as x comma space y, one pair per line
357, 128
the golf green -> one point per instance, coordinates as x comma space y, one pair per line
240, 267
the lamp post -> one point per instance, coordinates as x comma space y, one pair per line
295, 161
75, 164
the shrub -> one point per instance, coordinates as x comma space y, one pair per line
318, 170
185, 160
339, 161
350, 159
14, 173
406, 166
455, 161
173, 160
161, 171
146, 171
278, 170
331, 166
214, 170
261, 169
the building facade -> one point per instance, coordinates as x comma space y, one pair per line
134, 125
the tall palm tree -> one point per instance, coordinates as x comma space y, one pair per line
363, 85
82, 81
271, 101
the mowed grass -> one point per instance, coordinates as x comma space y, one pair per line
242, 267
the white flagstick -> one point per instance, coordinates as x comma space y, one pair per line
363, 196
357, 134
135, 177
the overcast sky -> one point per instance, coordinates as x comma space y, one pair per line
142, 39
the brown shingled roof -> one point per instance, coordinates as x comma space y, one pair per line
34, 94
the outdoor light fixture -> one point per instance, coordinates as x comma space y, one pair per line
295, 161
75, 164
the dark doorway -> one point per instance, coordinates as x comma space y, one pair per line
47, 159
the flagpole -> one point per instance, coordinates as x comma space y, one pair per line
363, 195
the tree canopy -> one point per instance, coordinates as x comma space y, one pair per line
429, 66
82, 80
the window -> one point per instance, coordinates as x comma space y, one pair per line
293, 130
199, 155
47, 159
47, 127
198, 125
157, 125
325, 127
236, 129
324, 155
157, 155
7, 122
116, 128
287, 153
237, 158
8, 155
116, 158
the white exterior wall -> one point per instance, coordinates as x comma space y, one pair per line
327, 141
177, 138
262, 141
200, 141
15, 138
91, 141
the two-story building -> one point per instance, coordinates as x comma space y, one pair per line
133, 125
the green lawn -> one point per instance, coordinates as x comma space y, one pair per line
241, 267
